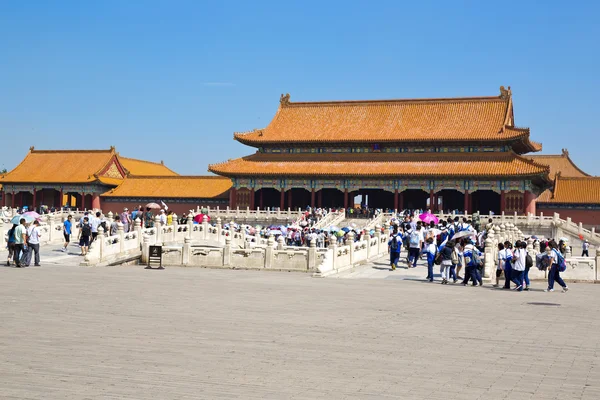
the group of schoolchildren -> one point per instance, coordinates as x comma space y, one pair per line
24, 241
437, 244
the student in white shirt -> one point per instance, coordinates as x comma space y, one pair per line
518, 268
500, 265
34, 234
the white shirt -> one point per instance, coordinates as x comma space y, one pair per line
421, 239
520, 255
94, 223
500, 259
163, 219
34, 234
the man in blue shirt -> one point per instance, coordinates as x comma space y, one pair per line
67, 231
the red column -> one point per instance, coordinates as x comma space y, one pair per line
3, 198
60, 199
529, 200
431, 196
96, 201
401, 200
252, 199
345, 198
260, 199
396, 200
282, 199
467, 202
502, 201
312, 198
289, 198
232, 197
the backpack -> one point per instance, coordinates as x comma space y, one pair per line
560, 261
86, 230
454, 257
528, 261
438, 258
394, 244
477, 258
104, 226
414, 239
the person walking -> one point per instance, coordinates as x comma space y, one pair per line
507, 260
431, 251
126, 220
554, 274
518, 267
395, 247
500, 264
20, 242
11, 245
586, 249
114, 226
33, 234
472, 259
447, 255
84, 236
67, 230
415, 243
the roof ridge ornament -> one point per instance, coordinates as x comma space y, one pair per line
31, 148
505, 93
284, 100
565, 153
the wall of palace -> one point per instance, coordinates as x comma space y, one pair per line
590, 218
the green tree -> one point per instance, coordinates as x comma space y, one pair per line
3, 171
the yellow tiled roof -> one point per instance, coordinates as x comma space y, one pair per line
172, 187
486, 119
382, 164
141, 167
581, 190
560, 163
60, 166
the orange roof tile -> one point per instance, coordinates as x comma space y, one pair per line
382, 164
172, 187
141, 167
417, 120
560, 163
60, 166
580, 190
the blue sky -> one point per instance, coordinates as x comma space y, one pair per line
172, 80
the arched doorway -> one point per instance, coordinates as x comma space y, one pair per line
300, 198
376, 198
267, 198
415, 199
330, 198
485, 201
450, 200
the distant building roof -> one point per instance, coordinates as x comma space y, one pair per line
141, 167
559, 163
160, 187
481, 119
581, 190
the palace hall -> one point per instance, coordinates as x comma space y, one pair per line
442, 154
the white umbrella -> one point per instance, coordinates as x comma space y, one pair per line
463, 234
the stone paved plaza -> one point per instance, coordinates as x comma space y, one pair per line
72, 332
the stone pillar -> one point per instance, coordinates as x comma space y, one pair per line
280, 243
530, 250
597, 262
488, 261
529, 202
158, 227
205, 227
378, 236
190, 225
100, 241
269, 252
175, 224
219, 229
96, 201
110, 217
350, 242
312, 255
227, 252
312, 198
186, 251
145, 249
121, 233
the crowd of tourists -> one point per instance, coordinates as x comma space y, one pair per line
456, 245
23, 243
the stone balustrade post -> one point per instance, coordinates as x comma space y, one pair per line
175, 224
536, 247
2, 239
269, 252
502, 237
312, 255
137, 227
350, 242
52, 227
367, 240
530, 250
503, 218
121, 233
190, 225
378, 236
580, 228
186, 251
101, 240
568, 251
280, 243
219, 229
158, 227
333, 246
205, 227
227, 252
597, 262
110, 217
488, 261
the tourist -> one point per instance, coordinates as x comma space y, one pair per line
33, 234
395, 247
94, 224
518, 267
67, 226
447, 261
472, 262
586, 249
528, 265
499, 264
148, 218
126, 220
20, 242
507, 260
162, 217
431, 251
170, 217
10, 246
415, 243
84, 236
114, 226
554, 273
458, 261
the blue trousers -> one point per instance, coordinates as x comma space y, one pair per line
517, 278
394, 256
507, 276
554, 275
430, 270
453, 272
413, 255
526, 277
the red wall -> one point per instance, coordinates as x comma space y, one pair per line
588, 218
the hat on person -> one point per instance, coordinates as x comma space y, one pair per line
162, 211
125, 209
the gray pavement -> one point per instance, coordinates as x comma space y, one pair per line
190, 333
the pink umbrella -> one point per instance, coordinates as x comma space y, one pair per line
428, 217
32, 214
199, 217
